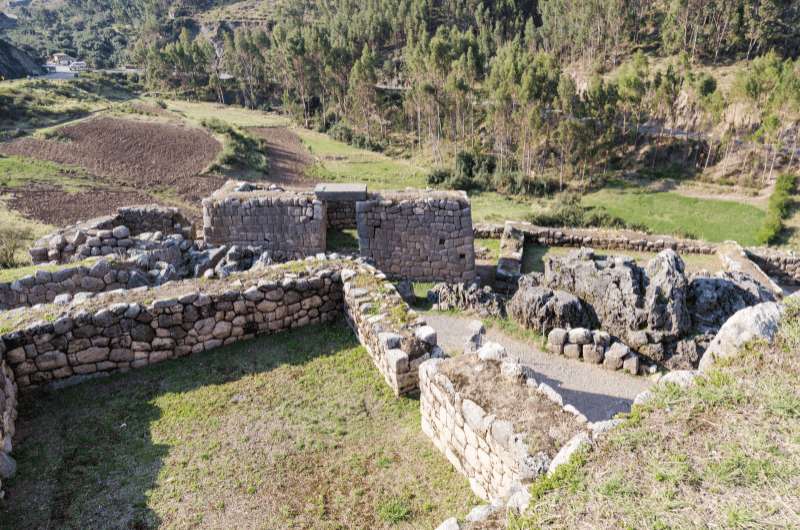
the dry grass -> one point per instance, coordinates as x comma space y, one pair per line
546, 426
296, 430
724, 454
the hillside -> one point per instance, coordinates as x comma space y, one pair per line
14, 63
722, 454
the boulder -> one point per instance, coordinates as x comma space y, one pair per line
544, 309
757, 322
406, 290
666, 294
468, 297
714, 299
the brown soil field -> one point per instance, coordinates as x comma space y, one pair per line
54, 206
288, 157
146, 155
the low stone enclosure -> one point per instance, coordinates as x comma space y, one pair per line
117, 332
783, 266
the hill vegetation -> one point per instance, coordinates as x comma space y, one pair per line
551, 100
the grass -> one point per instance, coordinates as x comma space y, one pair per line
239, 116
33, 229
339, 162
722, 454
342, 240
674, 214
296, 430
533, 258
19, 172
9, 275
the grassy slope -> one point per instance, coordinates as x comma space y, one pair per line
671, 213
296, 430
723, 454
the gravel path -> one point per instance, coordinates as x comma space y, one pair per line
596, 392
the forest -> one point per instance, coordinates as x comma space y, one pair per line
517, 96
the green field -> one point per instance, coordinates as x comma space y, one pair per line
18, 172
673, 214
295, 430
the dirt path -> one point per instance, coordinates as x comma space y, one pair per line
596, 392
288, 157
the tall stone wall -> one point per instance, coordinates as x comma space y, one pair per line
397, 339
293, 223
8, 415
422, 236
341, 214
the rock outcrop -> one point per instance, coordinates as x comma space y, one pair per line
542, 309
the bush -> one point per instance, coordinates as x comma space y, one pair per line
778, 208
241, 151
569, 212
13, 239
439, 177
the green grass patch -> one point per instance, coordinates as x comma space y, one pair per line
239, 116
673, 214
295, 430
241, 152
17, 172
718, 454
342, 240
339, 162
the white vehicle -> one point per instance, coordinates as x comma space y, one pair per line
77, 66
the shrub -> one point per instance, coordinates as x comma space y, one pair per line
13, 238
241, 150
778, 208
439, 177
570, 212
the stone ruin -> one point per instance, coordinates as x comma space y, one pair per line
416, 235
291, 223
124, 330
424, 237
116, 234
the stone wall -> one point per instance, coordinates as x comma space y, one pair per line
341, 214
784, 266
397, 339
593, 346
422, 236
131, 334
61, 285
109, 235
8, 417
495, 452
154, 218
289, 222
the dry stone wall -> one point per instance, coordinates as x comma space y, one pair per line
110, 235
61, 285
341, 214
422, 236
8, 417
397, 339
288, 222
497, 456
132, 334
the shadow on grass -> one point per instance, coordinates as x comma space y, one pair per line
86, 457
342, 240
